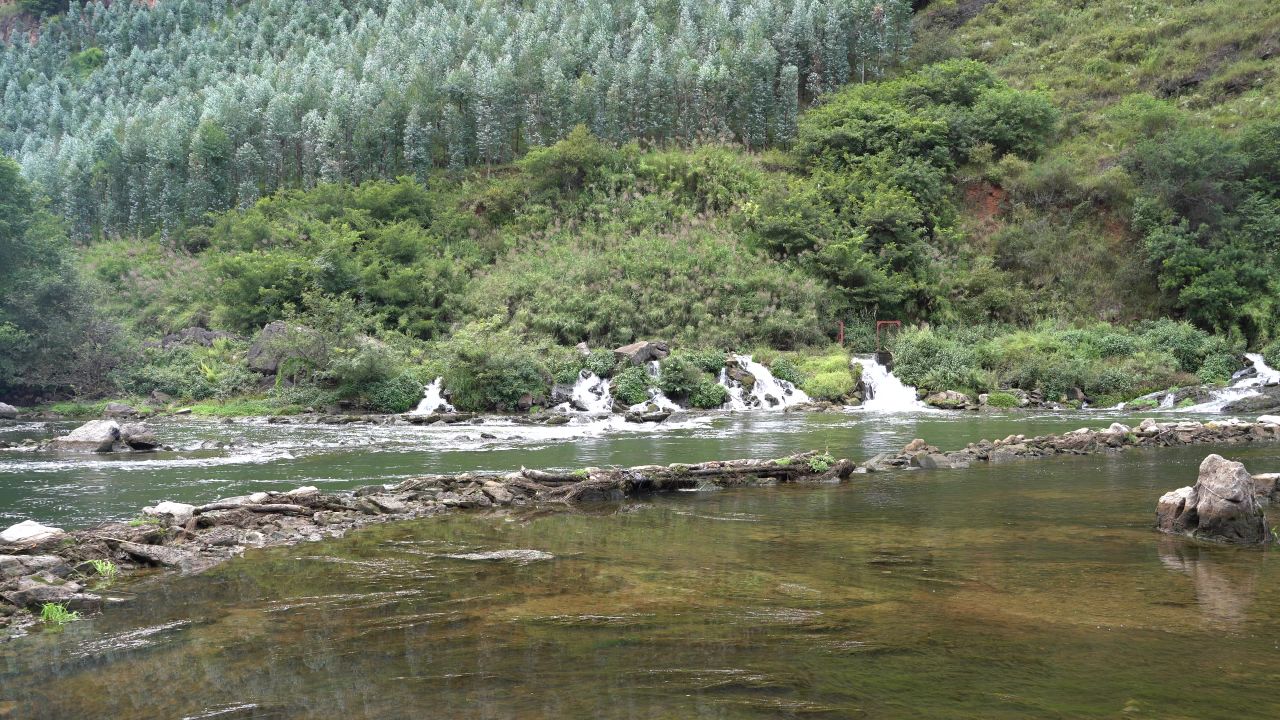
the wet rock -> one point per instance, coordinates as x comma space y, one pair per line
1269, 420
556, 420
639, 353
8, 412
94, 436
915, 446
1266, 487
933, 461
29, 531
948, 400
740, 374
139, 436
36, 590
179, 513
160, 555
1266, 402
12, 566
119, 410
645, 416
1221, 506
498, 493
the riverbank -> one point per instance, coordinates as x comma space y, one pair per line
60, 567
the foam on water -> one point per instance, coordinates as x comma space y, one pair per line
767, 393
1242, 387
885, 393
433, 400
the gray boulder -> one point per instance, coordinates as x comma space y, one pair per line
639, 353
119, 410
33, 592
1221, 506
139, 436
8, 412
948, 400
1266, 402
28, 531
93, 436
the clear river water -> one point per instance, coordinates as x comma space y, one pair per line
1030, 589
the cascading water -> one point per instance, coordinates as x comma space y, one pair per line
656, 396
767, 392
885, 393
1246, 384
433, 400
591, 395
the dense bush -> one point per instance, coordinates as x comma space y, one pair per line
828, 376
708, 395
396, 395
631, 386
489, 367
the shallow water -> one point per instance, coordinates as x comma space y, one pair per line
1033, 589
75, 489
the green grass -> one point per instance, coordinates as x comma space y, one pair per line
243, 407
145, 520
57, 614
1002, 400
106, 569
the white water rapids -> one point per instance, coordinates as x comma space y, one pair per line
885, 393
767, 393
433, 400
1241, 387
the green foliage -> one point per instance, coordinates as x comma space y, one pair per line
395, 395
631, 386
711, 361
600, 362
190, 372
828, 376
489, 367
679, 377
106, 569
784, 368
57, 614
1002, 400
1271, 354
708, 395
821, 463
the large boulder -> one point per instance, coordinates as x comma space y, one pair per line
1221, 506
639, 353
948, 400
1267, 401
94, 436
33, 592
28, 531
139, 436
8, 412
119, 410
279, 342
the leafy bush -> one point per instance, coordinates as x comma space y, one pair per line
1271, 354
784, 369
679, 377
397, 395
600, 362
1002, 400
631, 386
711, 361
489, 367
708, 395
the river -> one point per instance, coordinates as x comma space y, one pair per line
1033, 589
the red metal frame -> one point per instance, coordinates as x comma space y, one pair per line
897, 324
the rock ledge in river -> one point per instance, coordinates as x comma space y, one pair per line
1221, 506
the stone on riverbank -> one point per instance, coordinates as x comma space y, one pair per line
93, 436
8, 412
28, 531
36, 590
1221, 506
948, 400
179, 512
119, 410
639, 353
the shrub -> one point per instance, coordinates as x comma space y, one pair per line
397, 395
600, 362
708, 395
679, 377
631, 386
711, 361
1002, 400
784, 369
489, 367
1271, 354
831, 386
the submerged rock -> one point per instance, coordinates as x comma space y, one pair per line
1221, 506
521, 556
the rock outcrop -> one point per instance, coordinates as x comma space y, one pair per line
28, 531
1267, 401
279, 343
639, 353
108, 436
1221, 506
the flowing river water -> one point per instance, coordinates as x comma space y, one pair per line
1030, 589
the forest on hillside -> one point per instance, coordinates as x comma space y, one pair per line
738, 177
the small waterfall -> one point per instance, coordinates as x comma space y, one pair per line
885, 392
1242, 387
433, 400
768, 392
656, 396
590, 395
1167, 401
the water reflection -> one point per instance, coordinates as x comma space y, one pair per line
1225, 579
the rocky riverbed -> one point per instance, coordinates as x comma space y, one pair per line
41, 565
